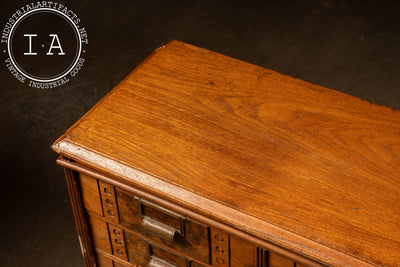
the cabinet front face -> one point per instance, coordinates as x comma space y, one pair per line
127, 230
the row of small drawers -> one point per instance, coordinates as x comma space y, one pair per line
127, 248
113, 210
129, 231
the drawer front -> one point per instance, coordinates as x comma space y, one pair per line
144, 253
164, 226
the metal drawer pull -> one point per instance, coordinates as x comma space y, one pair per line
155, 262
159, 229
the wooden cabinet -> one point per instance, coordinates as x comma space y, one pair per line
198, 159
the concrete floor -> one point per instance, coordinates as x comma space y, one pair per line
350, 46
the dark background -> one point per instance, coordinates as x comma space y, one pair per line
350, 46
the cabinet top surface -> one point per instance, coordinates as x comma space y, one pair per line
313, 161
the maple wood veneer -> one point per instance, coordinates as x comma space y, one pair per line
198, 159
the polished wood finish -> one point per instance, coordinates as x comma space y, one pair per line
99, 234
137, 249
103, 261
244, 253
305, 169
276, 260
90, 194
117, 262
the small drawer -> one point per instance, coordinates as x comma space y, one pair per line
163, 226
145, 253
160, 258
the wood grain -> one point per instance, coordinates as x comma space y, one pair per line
242, 253
100, 235
318, 163
90, 194
137, 249
276, 260
102, 261
116, 261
